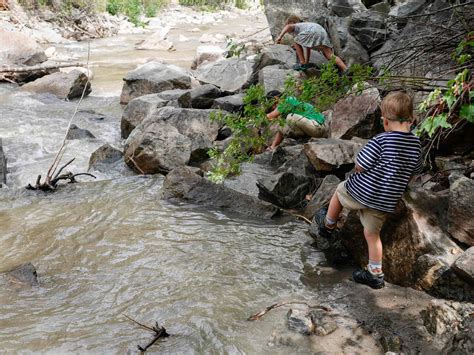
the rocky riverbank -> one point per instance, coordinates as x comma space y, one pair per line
428, 242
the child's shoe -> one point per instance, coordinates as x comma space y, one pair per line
320, 219
300, 67
365, 277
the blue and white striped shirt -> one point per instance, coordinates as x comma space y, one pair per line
389, 160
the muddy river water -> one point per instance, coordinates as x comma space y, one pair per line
110, 247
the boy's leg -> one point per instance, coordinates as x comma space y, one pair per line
329, 53
299, 53
374, 245
308, 54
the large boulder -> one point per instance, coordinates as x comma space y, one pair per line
353, 52
206, 55
408, 8
369, 29
230, 75
277, 11
357, 115
344, 8
183, 183
231, 103
3, 166
65, 86
290, 184
103, 157
329, 154
177, 97
461, 209
153, 77
464, 265
417, 250
137, 110
19, 49
322, 196
169, 138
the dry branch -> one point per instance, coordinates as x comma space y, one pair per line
160, 332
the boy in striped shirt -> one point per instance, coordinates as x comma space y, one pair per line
382, 171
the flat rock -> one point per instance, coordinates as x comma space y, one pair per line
137, 110
183, 183
357, 115
63, 85
153, 77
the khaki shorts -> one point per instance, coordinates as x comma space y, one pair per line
371, 219
299, 126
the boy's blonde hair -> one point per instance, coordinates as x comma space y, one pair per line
397, 106
292, 20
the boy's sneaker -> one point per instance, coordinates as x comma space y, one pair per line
320, 219
364, 276
300, 67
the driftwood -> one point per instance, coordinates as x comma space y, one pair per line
160, 332
39, 67
260, 314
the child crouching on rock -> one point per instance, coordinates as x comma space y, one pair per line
383, 169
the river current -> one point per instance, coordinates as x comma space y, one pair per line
110, 247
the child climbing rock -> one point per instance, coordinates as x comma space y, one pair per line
383, 168
307, 36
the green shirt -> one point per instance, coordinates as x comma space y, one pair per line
293, 105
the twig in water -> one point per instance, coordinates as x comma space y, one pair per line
260, 314
160, 332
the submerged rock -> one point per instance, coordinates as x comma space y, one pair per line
65, 86
24, 274
78, 133
137, 110
153, 77
183, 183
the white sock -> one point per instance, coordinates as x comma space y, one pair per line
375, 267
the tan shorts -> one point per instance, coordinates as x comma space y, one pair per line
299, 126
371, 219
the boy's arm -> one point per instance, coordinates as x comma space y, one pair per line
287, 28
368, 156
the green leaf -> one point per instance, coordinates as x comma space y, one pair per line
450, 99
467, 112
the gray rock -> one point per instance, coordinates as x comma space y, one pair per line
232, 103
453, 162
344, 8
104, 156
382, 7
63, 85
183, 183
322, 196
202, 97
461, 209
153, 77
408, 8
246, 181
369, 29
169, 138
357, 115
354, 53
230, 75
391, 343
277, 54
290, 184
137, 110
78, 133
464, 265
177, 97
273, 78
3, 166
328, 154
19, 49
24, 274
